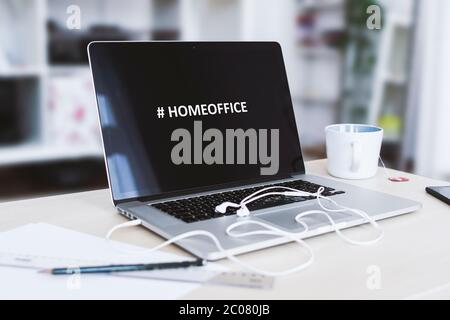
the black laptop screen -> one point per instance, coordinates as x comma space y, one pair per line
179, 116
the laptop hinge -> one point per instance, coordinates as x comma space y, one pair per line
210, 188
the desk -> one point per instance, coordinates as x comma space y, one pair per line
412, 260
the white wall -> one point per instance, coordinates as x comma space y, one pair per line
433, 82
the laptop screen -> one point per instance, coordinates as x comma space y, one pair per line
184, 116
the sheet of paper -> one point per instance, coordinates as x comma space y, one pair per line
51, 241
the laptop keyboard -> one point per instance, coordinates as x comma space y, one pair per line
203, 207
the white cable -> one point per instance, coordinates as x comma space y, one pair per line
127, 224
385, 172
268, 229
298, 193
271, 231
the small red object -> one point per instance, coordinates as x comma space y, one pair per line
398, 179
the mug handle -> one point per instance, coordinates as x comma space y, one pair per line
356, 156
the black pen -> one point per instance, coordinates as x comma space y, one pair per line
126, 267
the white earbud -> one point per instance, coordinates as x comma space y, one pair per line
222, 208
243, 211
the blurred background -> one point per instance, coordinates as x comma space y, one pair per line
340, 67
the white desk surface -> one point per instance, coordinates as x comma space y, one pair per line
413, 259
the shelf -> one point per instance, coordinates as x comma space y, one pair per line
316, 99
33, 153
203, 20
395, 79
400, 20
18, 72
322, 5
318, 52
391, 139
68, 69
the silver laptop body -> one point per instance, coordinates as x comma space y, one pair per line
133, 205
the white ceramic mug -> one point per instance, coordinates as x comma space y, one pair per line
353, 150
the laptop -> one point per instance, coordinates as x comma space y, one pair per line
187, 126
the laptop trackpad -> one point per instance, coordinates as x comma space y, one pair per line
285, 218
